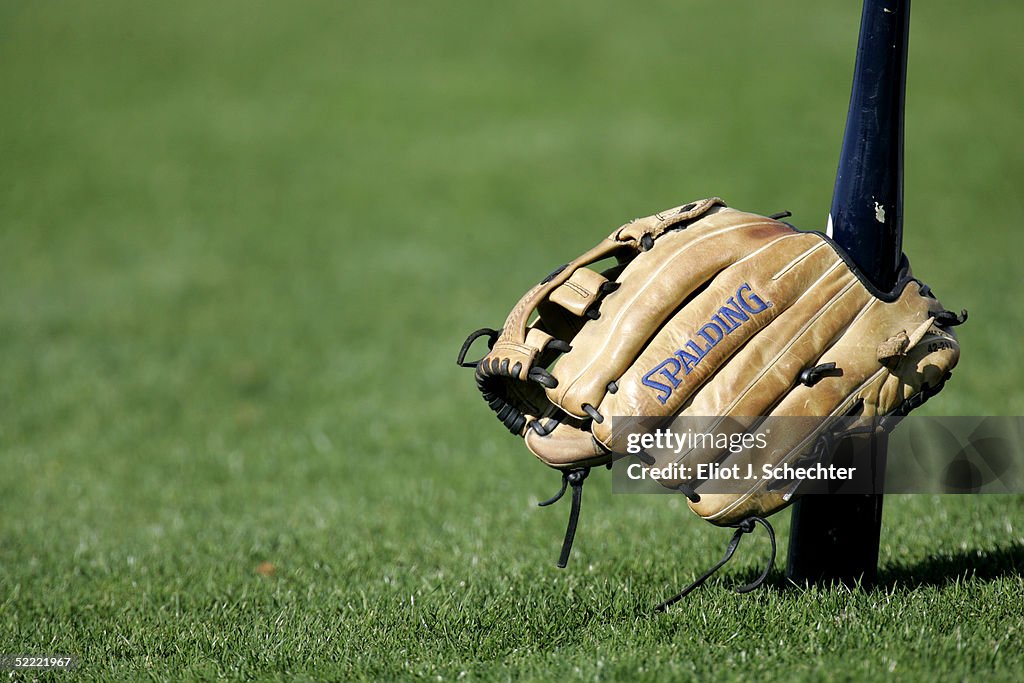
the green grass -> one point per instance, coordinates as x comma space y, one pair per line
240, 244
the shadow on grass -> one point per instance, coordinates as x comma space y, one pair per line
946, 569
942, 570
985, 565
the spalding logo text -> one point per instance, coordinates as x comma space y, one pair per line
736, 311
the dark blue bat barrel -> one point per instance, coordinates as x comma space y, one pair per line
867, 204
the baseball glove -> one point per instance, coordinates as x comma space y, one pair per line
704, 310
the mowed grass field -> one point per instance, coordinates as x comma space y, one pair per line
240, 244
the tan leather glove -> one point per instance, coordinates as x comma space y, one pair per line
708, 311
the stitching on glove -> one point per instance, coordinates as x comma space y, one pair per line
792, 264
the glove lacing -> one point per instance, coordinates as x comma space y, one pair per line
575, 479
744, 527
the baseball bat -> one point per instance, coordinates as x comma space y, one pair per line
836, 538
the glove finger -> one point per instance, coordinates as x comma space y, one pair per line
653, 287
